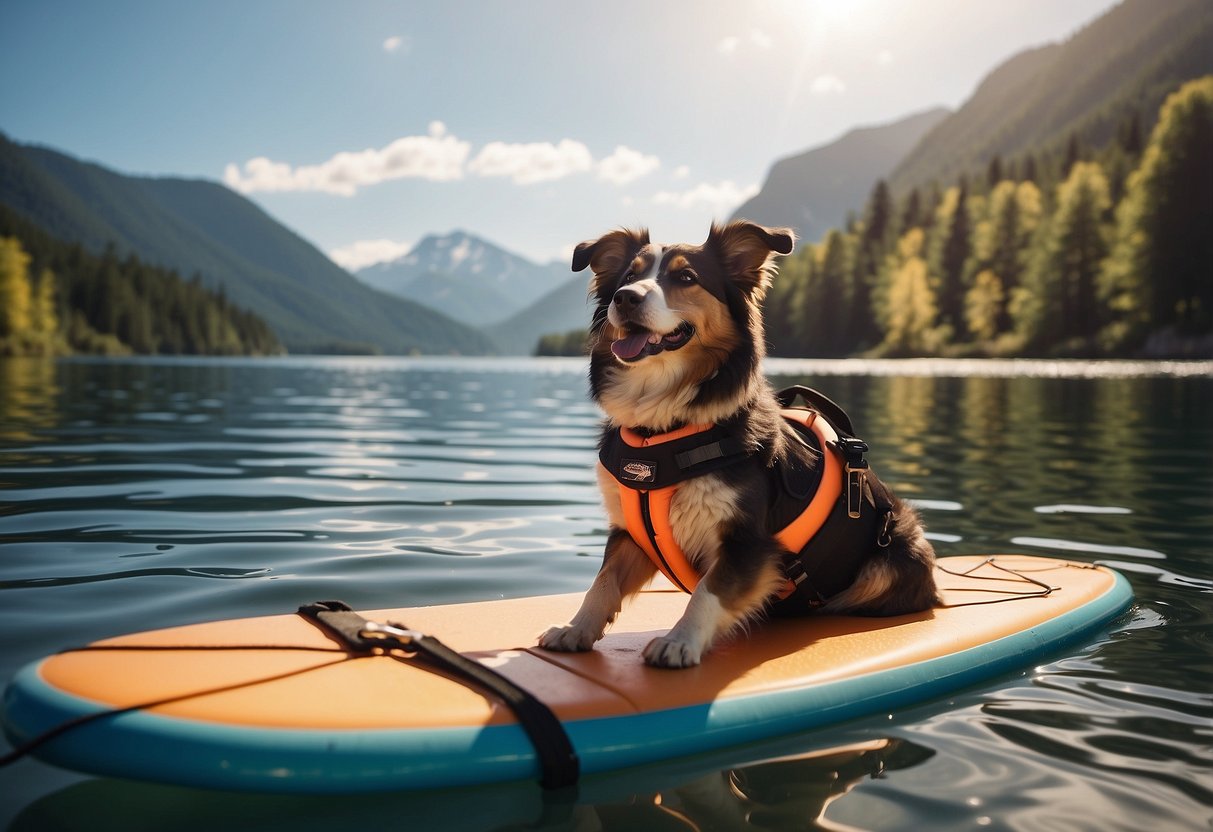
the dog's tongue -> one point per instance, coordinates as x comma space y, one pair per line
631, 346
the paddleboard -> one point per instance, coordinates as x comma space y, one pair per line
273, 704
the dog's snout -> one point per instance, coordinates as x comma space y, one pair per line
628, 299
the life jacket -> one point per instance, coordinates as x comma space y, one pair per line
817, 512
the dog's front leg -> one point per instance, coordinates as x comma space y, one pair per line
684, 645
625, 569
735, 589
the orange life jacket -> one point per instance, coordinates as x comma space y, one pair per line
649, 470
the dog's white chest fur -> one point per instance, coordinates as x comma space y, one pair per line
701, 509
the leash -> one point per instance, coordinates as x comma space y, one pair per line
359, 637
1020, 576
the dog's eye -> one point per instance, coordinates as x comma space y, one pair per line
686, 276
628, 277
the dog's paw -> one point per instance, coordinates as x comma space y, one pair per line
568, 639
671, 652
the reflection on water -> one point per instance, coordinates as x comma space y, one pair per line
137, 494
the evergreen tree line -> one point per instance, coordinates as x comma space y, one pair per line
563, 343
57, 298
1084, 252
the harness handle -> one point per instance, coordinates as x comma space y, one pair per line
820, 402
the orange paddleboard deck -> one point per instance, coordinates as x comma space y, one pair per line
273, 704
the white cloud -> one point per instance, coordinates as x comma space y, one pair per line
436, 156
884, 57
721, 198
681, 172
828, 85
439, 157
393, 43
535, 162
626, 165
365, 253
730, 45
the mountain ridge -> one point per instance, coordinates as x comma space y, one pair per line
197, 226
464, 276
1127, 59
813, 190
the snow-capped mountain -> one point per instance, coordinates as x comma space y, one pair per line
466, 277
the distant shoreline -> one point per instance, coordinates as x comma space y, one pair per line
875, 367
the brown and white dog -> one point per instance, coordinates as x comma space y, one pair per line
676, 340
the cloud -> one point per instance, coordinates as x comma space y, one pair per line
393, 43
365, 253
534, 162
721, 198
827, 85
436, 156
439, 157
626, 165
884, 57
730, 45
681, 172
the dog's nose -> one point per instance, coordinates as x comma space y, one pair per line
627, 299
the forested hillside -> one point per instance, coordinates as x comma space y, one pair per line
1104, 251
1027, 110
204, 228
57, 298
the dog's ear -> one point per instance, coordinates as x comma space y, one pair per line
609, 256
748, 250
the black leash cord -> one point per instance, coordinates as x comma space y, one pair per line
360, 638
27, 747
1020, 577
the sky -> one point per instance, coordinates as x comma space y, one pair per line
365, 125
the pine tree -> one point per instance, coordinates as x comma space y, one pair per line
949, 257
14, 288
1058, 307
908, 305
985, 306
877, 228
911, 213
1160, 274
1073, 156
1001, 245
827, 304
994, 172
44, 306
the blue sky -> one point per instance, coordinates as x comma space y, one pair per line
366, 125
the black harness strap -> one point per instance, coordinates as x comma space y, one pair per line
669, 463
557, 758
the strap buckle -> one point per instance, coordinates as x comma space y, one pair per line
852, 450
393, 636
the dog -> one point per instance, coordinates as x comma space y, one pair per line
677, 340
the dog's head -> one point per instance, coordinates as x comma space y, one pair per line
679, 319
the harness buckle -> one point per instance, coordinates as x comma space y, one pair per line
852, 450
393, 637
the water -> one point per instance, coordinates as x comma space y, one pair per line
146, 493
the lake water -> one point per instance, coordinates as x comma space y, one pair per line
146, 493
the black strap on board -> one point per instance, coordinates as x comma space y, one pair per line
557, 759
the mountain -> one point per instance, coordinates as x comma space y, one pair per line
813, 191
1124, 62
561, 310
465, 277
202, 227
